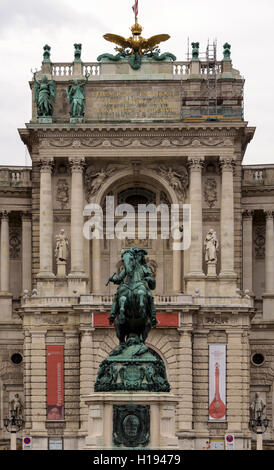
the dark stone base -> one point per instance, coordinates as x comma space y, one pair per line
132, 367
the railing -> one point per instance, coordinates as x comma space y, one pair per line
62, 69
15, 176
180, 69
93, 68
165, 299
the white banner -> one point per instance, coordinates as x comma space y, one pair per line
217, 382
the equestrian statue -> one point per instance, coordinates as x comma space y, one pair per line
133, 310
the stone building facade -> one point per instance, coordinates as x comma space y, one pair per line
155, 135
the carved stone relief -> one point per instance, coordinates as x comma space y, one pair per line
210, 192
259, 241
176, 177
96, 177
62, 193
15, 243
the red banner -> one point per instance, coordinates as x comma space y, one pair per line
55, 382
164, 320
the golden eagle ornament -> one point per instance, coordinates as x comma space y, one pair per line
137, 43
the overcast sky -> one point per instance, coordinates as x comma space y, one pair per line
27, 25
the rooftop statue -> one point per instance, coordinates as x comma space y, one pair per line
76, 98
136, 47
44, 94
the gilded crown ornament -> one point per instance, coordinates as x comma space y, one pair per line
136, 47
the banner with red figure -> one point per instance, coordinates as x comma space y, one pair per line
55, 382
217, 382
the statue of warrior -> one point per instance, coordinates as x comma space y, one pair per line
133, 309
76, 97
44, 93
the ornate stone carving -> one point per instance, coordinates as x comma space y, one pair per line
4, 215
62, 193
131, 425
269, 214
15, 243
46, 165
195, 163
177, 179
96, 178
259, 241
210, 192
77, 164
227, 163
247, 214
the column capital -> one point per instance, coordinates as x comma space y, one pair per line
195, 163
227, 163
4, 214
46, 165
77, 164
269, 214
26, 216
247, 213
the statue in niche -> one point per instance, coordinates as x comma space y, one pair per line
76, 98
61, 249
16, 405
211, 247
257, 407
44, 94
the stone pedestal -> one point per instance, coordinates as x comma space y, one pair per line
100, 419
211, 269
61, 268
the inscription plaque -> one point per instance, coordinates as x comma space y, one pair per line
133, 103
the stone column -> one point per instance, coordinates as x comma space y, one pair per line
26, 251
5, 258
237, 366
177, 271
195, 199
96, 266
227, 219
27, 381
247, 250
46, 219
38, 381
77, 219
185, 382
87, 372
72, 381
269, 253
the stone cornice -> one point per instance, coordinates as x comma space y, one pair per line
138, 126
